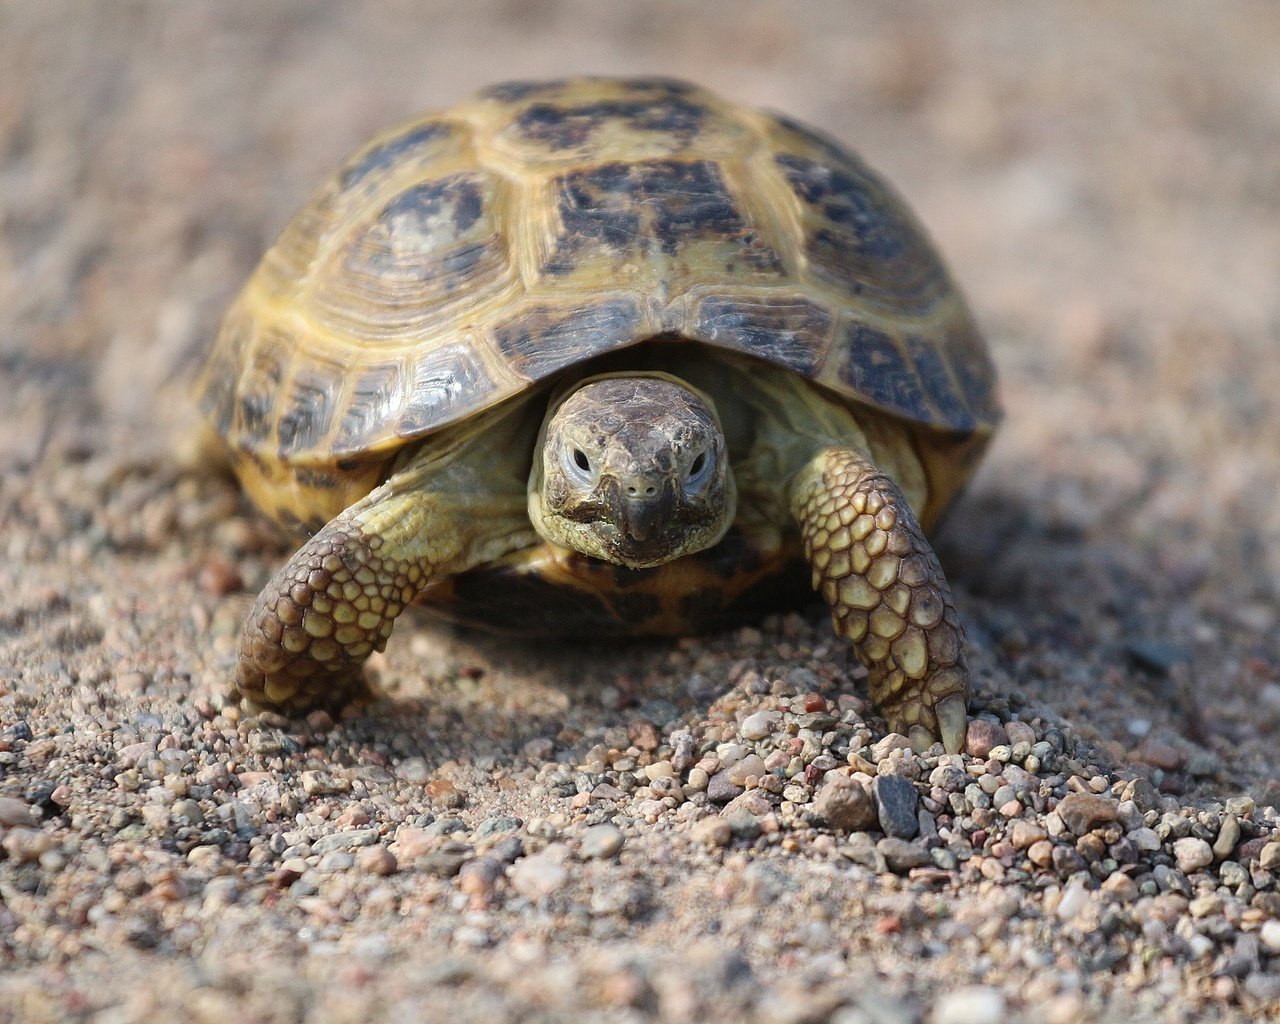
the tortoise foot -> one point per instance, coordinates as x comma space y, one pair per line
887, 595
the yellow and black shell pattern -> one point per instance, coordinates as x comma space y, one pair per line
457, 261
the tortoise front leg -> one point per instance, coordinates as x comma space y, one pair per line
336, 600
887, 594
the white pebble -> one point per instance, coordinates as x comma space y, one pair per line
1200, 946
541, 874
760, 725
1192, 854
601, 842
1270, 936
973, 1004
1074, 900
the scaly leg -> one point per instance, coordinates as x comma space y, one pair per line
887, 594
336, 600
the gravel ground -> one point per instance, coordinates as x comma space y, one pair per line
715, 829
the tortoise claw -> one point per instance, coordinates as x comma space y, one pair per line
953, 722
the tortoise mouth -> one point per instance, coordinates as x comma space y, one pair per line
639, 554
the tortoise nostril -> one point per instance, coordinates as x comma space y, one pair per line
634, 492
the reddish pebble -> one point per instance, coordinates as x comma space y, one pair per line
984, 735
442, 791
643, 734
1159, 755
320, 721
413, 843
814, 702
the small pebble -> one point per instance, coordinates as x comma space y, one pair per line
540, 875
1192, 854
601, 842
971, 1004
15, 812
1074, 899
1228, 836
759, 725
334, 861
1026, 833
1041, 853
480, 877
982, 736
1081, 812
751, 765
844, 805
659, 770
742, 823
901, 855
892, 742
376, 860
1205, 906
713, 831
896, 802
25, 845
1121, 886
721, 789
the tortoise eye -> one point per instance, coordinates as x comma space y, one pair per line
698, 463
578, 466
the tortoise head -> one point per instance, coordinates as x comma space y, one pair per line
632, 470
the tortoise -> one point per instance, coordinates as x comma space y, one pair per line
602, 356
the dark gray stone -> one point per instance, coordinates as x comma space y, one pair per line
896, 803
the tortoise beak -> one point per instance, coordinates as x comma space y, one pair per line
640, 519
642, 510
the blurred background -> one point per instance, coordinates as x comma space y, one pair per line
1103, 178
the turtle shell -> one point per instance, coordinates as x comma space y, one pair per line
457, 261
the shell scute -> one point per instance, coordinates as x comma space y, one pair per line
559, 127
973, 369
539, 341
417, 142
448, 379
787, 330
939, 388
375, 395
637, 213
858, 238
874, 365
433, 243
260, 386
310, 406
563, 124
